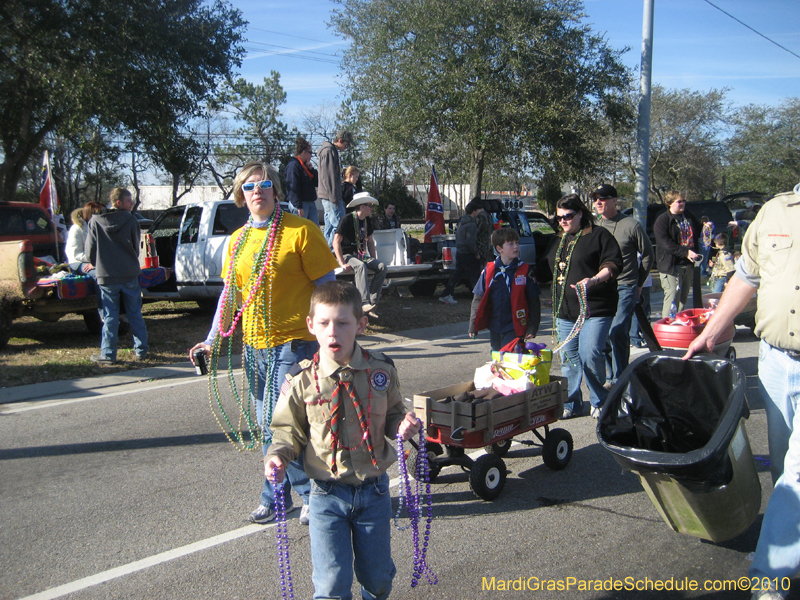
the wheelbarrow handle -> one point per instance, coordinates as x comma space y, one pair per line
647, 329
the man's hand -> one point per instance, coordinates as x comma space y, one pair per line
275, 464
409, 427
87, 267
301, 212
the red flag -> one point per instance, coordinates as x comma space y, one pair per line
48, 198
434, 214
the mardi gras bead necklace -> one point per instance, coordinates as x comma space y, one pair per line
360, 252
282, 539
259, 283
413, 503
583, 314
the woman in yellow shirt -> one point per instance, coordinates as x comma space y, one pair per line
273, 265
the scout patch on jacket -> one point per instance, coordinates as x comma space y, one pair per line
520, 280
380, 380
521, 316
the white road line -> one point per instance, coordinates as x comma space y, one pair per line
43, 404
146, 563
163, 557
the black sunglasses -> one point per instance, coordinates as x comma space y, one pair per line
566, 217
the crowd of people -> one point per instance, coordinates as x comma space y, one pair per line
310, 381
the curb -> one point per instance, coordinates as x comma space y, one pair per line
101, 383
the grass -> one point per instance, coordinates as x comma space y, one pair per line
39, 352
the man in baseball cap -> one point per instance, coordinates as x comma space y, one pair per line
355, 249
633, 242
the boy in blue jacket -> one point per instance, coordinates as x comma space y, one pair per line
511, 308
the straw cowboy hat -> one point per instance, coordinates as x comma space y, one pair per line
361, 198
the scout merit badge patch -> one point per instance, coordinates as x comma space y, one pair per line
519, 280
521, 316
379, 380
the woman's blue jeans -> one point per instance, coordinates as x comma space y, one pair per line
350, 528
282, 358
584, 356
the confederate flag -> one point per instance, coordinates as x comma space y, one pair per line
434, 214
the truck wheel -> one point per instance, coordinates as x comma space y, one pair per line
423, 288
93, 321
557, 449
207, 306
5, 328
487, 477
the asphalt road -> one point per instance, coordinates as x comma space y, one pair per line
125, 487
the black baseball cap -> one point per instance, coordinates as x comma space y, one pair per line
605, 190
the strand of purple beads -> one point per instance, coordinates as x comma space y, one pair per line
413, 503
282, 539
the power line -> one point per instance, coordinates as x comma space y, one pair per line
293, 55
751, 29
296, 49
299, 37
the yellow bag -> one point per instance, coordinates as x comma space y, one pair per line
537, 367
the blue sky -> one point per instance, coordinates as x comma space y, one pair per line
695, 46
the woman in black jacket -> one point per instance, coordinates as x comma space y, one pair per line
677, 234
583, 255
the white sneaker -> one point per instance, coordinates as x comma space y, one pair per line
367, 307
304, 515
595, 412
448, 299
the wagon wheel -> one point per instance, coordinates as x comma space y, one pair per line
411, 464
731, 354
487, 476
557, 449
499, 448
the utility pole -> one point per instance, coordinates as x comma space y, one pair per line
643, 130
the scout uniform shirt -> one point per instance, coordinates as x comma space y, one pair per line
302, 418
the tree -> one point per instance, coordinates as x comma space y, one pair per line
685, 142
763, 154
128, 64
500, 77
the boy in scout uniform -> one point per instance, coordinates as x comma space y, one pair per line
506, 297
338, 410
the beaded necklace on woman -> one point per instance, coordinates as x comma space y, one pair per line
560, 286
256, 309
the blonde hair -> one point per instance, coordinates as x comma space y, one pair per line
268, 170
671, 196
77, 217
350, 170
117, 194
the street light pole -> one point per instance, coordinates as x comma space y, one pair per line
643, 129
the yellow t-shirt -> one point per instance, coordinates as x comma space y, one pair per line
302, 256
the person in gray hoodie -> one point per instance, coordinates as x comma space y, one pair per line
329, 188
112, 245
468, 257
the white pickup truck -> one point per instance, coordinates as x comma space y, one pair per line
192, 241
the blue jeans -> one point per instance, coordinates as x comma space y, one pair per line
282, 358
497, 340
110, 297
311, 212
778, 550
584, 356
350, 528
334, 211
618, 349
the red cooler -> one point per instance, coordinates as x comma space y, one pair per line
686, 326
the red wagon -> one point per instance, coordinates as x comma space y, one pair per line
452, 426
688, 324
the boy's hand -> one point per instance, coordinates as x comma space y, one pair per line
409, 427
277, 464
472, 336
